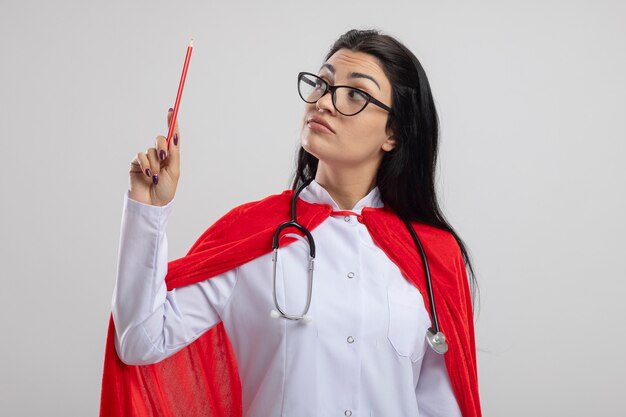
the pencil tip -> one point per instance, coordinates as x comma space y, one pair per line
191, 43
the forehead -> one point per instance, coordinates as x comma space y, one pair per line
345, 62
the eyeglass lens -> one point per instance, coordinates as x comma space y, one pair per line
347, 100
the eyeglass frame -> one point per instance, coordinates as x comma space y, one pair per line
333, 88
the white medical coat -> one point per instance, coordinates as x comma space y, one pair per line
363, 354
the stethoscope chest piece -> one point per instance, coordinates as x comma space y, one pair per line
437, 341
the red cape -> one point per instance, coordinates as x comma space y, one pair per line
203, 379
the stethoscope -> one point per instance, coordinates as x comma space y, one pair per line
436, 339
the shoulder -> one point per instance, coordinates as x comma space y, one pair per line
443, 250
439, 240
244, 218
440, 245
435, 238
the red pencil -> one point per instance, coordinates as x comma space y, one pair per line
180, 93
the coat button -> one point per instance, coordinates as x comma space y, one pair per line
350, 274
347, 218
350, 339
348, 413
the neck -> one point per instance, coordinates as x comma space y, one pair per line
346, 186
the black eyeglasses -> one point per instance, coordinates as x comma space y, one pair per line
347, 100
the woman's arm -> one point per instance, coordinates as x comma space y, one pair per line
150, 322
434, 394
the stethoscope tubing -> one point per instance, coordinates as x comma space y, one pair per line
429, 284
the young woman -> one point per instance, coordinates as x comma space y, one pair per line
236, 328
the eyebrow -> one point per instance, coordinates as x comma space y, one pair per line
352, 74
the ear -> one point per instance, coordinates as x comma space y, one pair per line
389, 144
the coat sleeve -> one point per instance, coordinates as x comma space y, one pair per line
152, 323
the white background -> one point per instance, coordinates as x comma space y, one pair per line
531, 98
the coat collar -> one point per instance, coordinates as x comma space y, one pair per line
315, 193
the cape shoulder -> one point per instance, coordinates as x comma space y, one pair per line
440, 246
258, 209
242, 234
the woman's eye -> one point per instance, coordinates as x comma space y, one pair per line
356, 95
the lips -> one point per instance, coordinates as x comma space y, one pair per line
321, 121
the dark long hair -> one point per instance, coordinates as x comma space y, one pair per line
406, 175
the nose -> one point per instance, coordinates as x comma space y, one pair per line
326, 103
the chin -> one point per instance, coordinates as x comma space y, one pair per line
319, 145
310, 143
310, 150
327, 156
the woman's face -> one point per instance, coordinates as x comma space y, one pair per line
357, 139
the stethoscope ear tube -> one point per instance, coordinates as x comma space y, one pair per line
436, 339
279, 312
